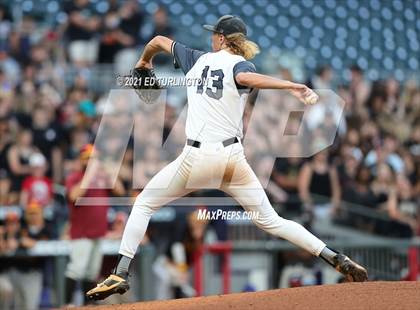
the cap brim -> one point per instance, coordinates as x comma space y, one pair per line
209, 28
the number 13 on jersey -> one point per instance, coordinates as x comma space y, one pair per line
215, 79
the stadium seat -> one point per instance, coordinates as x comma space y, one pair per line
363, 30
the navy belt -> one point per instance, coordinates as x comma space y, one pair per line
225, 143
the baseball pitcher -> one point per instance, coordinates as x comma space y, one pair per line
213, 147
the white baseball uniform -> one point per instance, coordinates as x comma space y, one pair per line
215, 111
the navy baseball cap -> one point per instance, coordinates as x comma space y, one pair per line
228, 24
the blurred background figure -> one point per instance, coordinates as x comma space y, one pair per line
113, 39
161, 26
27, 273
319, 186
359, 88
8, 245
173, 269
88, 223
18, 156
37, 188
82, 27
47, 138
323, 78
5, 143
286, 175
132, 22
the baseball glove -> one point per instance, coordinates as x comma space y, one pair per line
146, 84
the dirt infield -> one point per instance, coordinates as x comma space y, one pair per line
369, 295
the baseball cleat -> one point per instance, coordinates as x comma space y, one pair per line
352, 271
112, 285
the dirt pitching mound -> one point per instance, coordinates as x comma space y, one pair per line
368, 295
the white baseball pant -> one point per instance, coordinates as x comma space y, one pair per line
212, 166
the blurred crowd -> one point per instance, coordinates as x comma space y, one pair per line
369, 177
48, 123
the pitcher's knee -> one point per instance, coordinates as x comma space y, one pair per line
144, 205
270, 224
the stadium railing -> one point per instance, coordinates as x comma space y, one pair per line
386, 259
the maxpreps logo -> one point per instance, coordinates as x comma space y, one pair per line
279, 126
219, 214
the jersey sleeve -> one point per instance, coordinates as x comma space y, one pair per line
242, 66
184, 57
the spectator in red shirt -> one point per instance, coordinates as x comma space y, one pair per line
88, 223
37, 187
